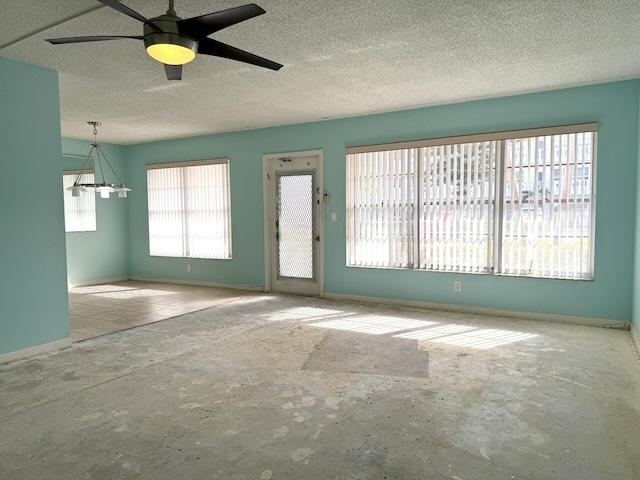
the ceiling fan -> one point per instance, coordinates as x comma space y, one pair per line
174, 41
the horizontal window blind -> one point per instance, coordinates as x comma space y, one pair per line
79, 212
189, 210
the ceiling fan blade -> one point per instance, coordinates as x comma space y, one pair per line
124, 9
208, 46
58, 41
200, 27
174, 72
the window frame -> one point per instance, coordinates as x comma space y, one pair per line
88, 196
495, 266
187, 239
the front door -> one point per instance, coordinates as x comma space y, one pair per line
293, 240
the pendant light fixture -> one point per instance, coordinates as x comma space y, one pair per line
103, 188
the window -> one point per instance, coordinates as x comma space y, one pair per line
189, 209
515, 203
79, 212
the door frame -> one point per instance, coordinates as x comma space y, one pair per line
268, 194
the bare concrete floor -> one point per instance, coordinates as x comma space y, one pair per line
277, 387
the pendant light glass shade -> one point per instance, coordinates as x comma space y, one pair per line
105, 190
76, 191
122, 191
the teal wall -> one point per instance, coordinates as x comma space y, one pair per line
614, 106
33, 274
101, 255
33, 289
245, 153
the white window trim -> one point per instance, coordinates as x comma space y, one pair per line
477, 137
191, 163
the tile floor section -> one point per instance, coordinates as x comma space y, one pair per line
101, 309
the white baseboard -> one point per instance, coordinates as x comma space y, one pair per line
546, 317
635, 337
251, 288
101, 281
35, 350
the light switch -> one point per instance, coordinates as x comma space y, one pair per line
334, 216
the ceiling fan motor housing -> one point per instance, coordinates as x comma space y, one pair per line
164, 30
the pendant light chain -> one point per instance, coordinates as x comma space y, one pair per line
96, 146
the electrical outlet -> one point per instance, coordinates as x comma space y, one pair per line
188, 267
457, 286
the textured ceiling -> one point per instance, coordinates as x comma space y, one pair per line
341, 58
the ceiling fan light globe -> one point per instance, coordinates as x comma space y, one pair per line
170, 48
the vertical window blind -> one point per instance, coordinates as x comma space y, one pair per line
457, 207
380, 188
189, 209
516, 203
548, 206
79, 212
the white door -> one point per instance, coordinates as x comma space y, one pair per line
293, 222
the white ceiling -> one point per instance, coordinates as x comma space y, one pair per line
341, 58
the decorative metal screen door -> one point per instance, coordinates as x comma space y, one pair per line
294, 217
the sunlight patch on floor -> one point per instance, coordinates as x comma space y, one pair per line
452, 334
92, 289
303, 314
435, 332
137, 293
485, 338
374, 324
119, 291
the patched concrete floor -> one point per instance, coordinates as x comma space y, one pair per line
278, 387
